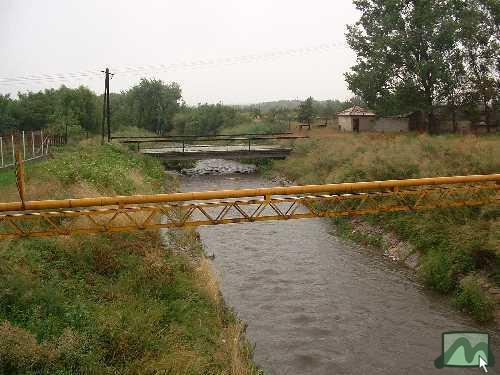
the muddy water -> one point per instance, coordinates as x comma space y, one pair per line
315, 304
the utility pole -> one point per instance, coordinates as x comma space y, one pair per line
103, 112
106, 109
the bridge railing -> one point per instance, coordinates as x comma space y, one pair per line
190, 136
184, 143
177, 210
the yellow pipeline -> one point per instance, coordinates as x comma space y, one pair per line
241, 193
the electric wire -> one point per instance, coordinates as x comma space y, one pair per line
196, 64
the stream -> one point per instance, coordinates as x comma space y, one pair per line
316, 304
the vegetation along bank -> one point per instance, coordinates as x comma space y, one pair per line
455, 251
110, 304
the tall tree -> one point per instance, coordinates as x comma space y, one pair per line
479, 34
402, 47
155, 103
306, 111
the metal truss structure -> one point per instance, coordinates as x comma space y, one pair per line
177, 210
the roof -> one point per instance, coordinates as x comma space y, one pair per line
356, 111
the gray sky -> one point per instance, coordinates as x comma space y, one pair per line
67, 36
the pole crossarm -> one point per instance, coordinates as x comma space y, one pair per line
177, 210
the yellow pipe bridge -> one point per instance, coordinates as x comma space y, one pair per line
177, 210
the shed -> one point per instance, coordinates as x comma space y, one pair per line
359, 119
356, 119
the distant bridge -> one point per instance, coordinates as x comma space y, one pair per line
221, 146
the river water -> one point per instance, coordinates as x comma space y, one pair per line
316, 304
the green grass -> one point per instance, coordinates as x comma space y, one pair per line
453, 242
118, 309
106, 168
117, 304
7, 177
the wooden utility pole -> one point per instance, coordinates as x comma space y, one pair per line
106, 109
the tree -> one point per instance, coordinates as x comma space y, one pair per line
34, 110
256, 113
154, 103
479, 34
7, 120
403, 49
306, 111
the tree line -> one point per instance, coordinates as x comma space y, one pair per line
420, 55
152, 105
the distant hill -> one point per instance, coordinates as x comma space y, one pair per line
267, 106
294, 104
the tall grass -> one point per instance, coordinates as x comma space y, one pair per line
109, 304
453, 242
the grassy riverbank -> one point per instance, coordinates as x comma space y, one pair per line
459, 248
125, 303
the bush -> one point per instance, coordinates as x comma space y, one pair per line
473, 299
436, 271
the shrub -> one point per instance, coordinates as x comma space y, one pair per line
436, 271
473, 299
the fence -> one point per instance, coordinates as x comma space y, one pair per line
32, 145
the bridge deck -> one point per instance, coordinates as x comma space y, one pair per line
222, 146
197, 152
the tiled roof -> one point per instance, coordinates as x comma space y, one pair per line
356, 111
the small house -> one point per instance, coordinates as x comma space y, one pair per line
359, 119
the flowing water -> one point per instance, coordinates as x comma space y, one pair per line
316, 304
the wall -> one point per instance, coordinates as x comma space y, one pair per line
392, 125
366, 124
370, 124
345, 123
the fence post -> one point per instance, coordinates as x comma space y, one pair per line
1, 149
20, 176
41, 137
24, 147
33, 145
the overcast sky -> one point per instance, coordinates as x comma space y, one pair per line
67, 36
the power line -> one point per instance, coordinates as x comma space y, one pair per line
196, 64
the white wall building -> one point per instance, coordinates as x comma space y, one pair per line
359, 119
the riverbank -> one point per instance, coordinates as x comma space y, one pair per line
456, 252
125, 303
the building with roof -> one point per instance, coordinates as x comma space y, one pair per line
358, 119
